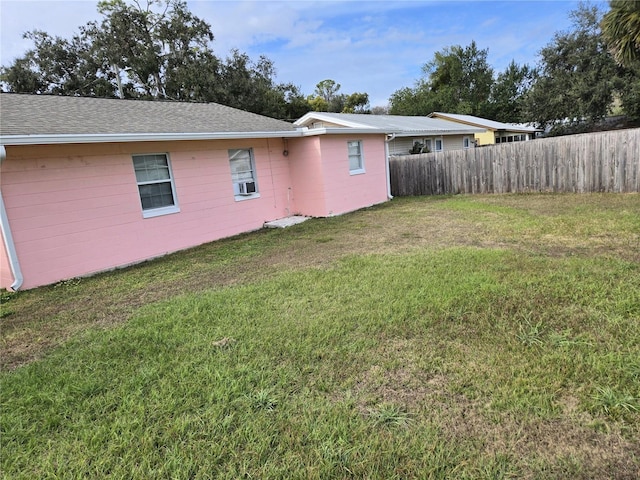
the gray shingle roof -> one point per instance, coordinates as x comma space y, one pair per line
22, 114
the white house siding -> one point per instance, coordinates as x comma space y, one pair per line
454, 142
402, 145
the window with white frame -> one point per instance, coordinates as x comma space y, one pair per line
356, 160
243, 173
438, 144
155, 184
466, 142
427, 145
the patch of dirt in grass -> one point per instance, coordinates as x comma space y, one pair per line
566, 447
399, 386
547, 444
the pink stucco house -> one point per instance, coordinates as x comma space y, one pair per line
92, 184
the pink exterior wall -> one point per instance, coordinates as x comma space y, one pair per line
75, 210
307, 177
323, 185
6, 277
345, 192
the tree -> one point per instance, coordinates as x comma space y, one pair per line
508, 94
158, 50
326, 98
295, 104
57, 66
160, 46
578, 77
317, 104
357, 103
621, 30
412, 101
327, 91
629, 91
456, 80
461, 79
380, 110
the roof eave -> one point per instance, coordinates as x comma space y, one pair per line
343, 131
308, 118
47, 139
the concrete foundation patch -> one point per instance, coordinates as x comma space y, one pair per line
286, 222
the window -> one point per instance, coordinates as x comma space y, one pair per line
243, 174
427, 145
438, 143
356, 161
466, 142
155, 184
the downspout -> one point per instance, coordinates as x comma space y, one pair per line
14, 263
386, 164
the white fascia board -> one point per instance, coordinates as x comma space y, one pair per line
398, 133
138, 137
303, 119
343, 131
485, 123
431, 133
319, 116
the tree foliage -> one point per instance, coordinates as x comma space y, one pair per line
326, 98
357, 103
578, 77
57, 66
156, 50
621, 30
508, 94
456, 80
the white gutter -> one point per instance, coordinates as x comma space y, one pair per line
50, 139
14, 263
309, 132
138, 137
417, 133
388, 139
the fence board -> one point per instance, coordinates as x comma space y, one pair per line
590, 162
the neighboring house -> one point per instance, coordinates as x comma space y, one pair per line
92, 184
406, 134
493, 132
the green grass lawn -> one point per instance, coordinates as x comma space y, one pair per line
451, 337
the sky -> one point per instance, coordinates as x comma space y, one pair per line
372, 46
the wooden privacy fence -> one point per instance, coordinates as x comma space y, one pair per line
590, 162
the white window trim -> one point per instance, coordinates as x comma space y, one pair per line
435, 144
169, 209
361, 170
466, 140
242, 197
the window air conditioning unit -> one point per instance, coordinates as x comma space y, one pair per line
247, 188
